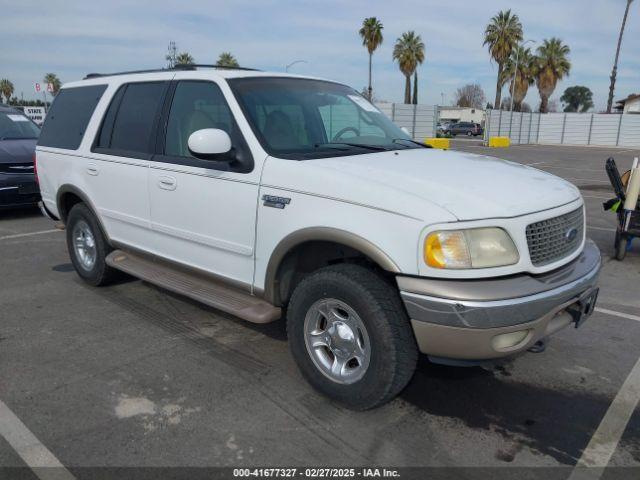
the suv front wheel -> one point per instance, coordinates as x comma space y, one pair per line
350, 336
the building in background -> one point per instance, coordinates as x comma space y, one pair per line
631, 104
461, 114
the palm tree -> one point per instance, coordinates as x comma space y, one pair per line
371, 34
184, 58
614, 72
227, 60
53, 79
409, 52
551, 65
6, 88
526, 74
503, 33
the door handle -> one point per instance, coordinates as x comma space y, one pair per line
92, 169
167, 183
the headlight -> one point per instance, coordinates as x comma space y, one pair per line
472, 248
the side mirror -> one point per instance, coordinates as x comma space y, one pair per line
209, 144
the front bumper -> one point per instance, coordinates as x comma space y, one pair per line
471, 319
18, 190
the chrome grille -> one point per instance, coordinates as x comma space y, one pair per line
553, 239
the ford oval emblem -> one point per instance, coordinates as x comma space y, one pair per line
571, 234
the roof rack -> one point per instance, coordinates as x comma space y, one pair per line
175, 68
195, 66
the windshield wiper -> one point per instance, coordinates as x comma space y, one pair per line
423, 145
18, 138
377, 148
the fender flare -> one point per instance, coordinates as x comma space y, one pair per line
327, 234
67, 188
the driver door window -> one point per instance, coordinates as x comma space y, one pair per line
196, 105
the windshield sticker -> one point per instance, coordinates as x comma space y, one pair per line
362, 103
18, 118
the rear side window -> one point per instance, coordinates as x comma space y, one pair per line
69, 115
130, 121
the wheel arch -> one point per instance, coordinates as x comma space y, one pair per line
68, 196
324, 238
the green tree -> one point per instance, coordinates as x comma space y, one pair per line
577, 99
502, 35
6, 88
227, 60
184, 58
519, 84
614, 72
371, 34
551, 65
53, 79
408, 51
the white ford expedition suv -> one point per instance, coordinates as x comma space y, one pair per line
267, 195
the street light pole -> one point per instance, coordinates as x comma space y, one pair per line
515, 73
286, 68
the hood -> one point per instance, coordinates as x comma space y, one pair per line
468, 186
17, 151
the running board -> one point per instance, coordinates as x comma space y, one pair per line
208, 291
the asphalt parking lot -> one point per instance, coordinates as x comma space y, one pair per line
131, 375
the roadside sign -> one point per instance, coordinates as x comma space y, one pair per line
50, 87
36, 114
36, 87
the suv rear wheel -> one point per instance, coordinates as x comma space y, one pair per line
350, 336
88, 247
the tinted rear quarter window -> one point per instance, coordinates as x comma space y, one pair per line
69, 115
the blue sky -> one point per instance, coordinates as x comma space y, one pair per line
73, 38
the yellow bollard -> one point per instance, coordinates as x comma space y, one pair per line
441, 143
499, 142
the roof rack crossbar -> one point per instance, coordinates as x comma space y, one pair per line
175, 68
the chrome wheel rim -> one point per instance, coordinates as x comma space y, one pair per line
84, 245
337, 341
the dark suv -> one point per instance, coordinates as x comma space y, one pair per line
18, 137
465, 128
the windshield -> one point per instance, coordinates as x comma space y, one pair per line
302, 119
16, 126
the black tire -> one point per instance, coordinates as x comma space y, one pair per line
620, 246
100, 273
393, 348
469, 134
